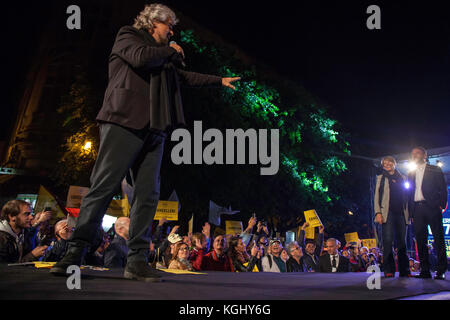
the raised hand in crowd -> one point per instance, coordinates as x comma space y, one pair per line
206, 230
162, 221
41, 217
305, 225
321, 229
174, 229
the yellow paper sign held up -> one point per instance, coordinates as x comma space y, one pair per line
233, 227
369, 243
312, 218
351, 237
310, 233
168, 210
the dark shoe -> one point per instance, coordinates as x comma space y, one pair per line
425, 275
73, 256
389, 275
140, 270
439, 276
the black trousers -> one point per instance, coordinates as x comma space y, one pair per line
122, 149
425, 215
395, 228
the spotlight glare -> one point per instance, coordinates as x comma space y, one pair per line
87, 146
350, 213
439, 163
407, 185
411, 166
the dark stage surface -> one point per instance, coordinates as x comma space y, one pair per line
30, 283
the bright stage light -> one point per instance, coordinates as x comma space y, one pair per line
407, 185
87, 146
439, 163
350, 213
411, 166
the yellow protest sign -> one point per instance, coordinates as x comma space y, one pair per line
46, 200
168, 210
369, 243
310, 233
351, 237
119, 208
312, 218
233, 227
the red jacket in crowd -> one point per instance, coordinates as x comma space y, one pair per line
210, 261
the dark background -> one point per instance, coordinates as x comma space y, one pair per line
389, 88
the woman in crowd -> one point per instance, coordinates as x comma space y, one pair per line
242, 262
180, 258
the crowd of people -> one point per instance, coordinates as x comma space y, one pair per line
25, 237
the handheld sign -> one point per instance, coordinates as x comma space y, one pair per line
168, 210
75, 196
310, 233
369, 243
233, 227
351, 237
312, 218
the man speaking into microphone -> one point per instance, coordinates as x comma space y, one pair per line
142, 104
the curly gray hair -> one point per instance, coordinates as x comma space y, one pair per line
290, 247
154, 12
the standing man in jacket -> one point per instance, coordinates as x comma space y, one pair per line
390, 203
142, 104
427, 198
332, 261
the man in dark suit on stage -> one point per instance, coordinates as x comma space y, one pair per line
142, 104
332, 261
427, 198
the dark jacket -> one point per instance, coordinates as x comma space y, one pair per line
311, 263
57, 251
144, 83
116, 254
434, 188
15, 248
325, 264
293, 266
239, 267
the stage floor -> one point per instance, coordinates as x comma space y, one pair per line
27, 282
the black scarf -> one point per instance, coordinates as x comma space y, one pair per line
166, 108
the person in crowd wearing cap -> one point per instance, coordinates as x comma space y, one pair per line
115, 255
312, 249
216, 259
428, 195
16, 243
332, 261
59, 247
272, 262
391, 212
180, 259
295, 262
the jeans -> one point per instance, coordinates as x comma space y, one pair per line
121, 150
395, 228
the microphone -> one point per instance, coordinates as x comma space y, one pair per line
179, 59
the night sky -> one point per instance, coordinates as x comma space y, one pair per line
389, 88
